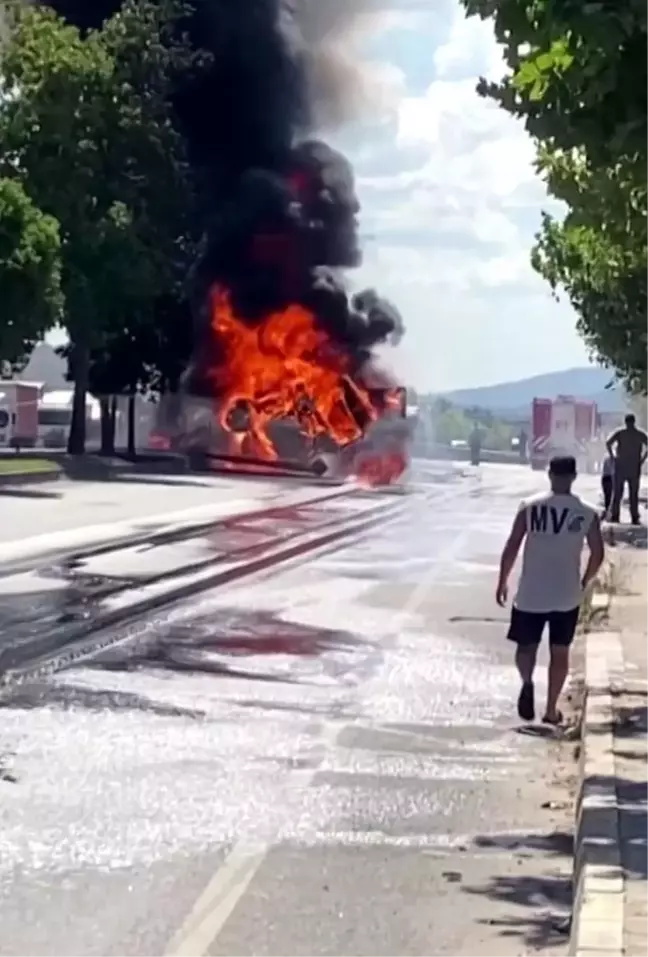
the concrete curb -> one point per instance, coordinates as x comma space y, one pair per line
597, 925
13, 479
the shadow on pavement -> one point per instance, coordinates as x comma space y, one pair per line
633, 820
553, 843
211, 646
36, 621
544, 901
631, 725
26, 492
632, 536
70, 696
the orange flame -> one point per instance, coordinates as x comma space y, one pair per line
288, 368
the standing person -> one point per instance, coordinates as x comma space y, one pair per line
629, 446
555, 526
607, 482
475, 442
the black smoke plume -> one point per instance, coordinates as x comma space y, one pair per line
280, 206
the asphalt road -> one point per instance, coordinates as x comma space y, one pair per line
56, 507
322, 760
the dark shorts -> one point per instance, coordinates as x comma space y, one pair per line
527, 626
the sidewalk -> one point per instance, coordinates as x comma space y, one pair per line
610, 915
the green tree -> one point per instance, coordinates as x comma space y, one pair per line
577, 79
606, 284
577, 72
30, 274
450, 423
88, 127
498, 435
147, 356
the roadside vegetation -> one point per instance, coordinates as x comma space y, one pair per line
96, 199
23, 465
452, 424
578, 83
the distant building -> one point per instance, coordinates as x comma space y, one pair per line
55, 417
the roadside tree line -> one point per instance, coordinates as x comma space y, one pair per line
452, 423
98, 207
577, 80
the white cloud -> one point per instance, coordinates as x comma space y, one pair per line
384, 21
473, 145
451, 200
469, 51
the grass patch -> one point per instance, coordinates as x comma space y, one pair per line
17, 465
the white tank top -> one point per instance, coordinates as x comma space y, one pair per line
551, 564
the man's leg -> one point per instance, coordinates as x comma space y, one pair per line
617, 495
606, 484
562, 628
633, 495
526, 631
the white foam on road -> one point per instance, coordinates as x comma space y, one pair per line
133, 765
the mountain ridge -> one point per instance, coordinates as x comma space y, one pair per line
582, 382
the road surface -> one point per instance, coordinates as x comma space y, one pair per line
322, 760
52, 507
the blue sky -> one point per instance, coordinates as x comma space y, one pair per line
450, 207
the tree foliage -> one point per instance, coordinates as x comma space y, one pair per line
88, 128
577, 72
30, 293
453, 424
577, 79
606, 284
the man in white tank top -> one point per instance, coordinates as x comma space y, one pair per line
553, 527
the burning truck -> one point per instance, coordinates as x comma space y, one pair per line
283, 354
283, 362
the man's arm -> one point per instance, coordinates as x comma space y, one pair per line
612, 441
596, 551
644, 440
509, 554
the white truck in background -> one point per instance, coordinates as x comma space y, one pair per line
563, 426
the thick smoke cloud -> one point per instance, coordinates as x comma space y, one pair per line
281, 207
291, 212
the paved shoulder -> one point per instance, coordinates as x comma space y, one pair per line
320, 761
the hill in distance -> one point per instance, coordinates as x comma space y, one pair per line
588, 383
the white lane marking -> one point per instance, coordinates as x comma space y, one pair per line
228, 885
218, 900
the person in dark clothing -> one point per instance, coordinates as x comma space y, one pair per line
629, 446
607, 483
475, 442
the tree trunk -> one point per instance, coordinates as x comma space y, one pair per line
113, 417
107, 426
80, 368
131, 426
